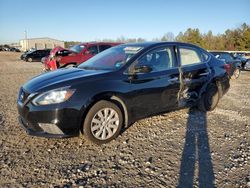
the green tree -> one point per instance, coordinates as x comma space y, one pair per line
68, 44
191, 36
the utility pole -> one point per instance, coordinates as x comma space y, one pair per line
26, 41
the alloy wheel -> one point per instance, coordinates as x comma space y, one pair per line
105, 123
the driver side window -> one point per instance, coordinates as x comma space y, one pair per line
160, 59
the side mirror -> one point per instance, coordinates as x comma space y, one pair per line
142, 69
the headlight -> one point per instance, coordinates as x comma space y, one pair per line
54, 96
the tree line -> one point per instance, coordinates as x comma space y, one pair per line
231, 39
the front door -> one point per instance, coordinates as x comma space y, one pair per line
154, 91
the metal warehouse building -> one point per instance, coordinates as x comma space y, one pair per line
40, 43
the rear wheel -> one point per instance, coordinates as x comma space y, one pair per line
103, 122
209, 99
29, 59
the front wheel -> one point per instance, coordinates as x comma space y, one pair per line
209, 99
103, 122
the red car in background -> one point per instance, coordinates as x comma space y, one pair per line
60, 57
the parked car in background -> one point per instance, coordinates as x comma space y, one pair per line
119, 86
5, 48
235, 65
26, 52
247, 55
14, 49
35, 55
247, 65
23, 55
75, 55
241, 57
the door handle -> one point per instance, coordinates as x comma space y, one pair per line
173, 79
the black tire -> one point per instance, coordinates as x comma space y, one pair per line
93, 113
209, 99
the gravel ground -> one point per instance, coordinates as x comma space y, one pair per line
186, 148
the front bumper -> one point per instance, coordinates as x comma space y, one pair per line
57, 121
40, 132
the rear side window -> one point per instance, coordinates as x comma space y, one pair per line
189, 56
103, 47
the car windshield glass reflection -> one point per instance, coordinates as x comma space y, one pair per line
111, 59
77, 48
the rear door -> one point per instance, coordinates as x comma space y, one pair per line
155, 91
35, 55
195, 73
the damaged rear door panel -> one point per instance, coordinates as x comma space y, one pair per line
195, 74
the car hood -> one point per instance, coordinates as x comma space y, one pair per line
60, 78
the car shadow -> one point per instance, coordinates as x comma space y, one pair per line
196, 162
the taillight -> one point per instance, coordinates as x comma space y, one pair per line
227, 68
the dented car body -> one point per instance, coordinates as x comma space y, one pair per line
119, 86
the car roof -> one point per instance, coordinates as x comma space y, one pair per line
144, 44
87, 43
152, 43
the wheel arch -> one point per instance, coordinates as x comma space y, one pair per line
111, 97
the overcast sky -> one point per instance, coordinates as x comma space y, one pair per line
82, 20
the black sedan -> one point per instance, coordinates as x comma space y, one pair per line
119, 86
35, 55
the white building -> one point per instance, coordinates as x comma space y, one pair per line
40, 43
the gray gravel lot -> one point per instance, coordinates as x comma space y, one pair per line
186, 148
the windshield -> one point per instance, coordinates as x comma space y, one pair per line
30, 52
112, 58
77, 48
